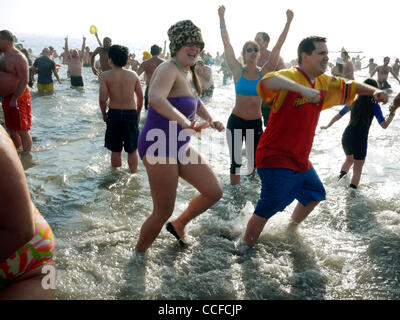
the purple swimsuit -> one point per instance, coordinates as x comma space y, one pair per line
161, 137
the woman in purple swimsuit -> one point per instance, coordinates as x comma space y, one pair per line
164, 141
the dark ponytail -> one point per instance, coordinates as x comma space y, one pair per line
196, 80
361, 109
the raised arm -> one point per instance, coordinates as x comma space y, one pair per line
234, 65
98, 40
273, 60
66, 50
83, 48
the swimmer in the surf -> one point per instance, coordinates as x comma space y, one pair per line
383, 74
117, 89
16, 98
263, 39
75, 63
102, 51
371, 66
44, 67
355, 136
173, 106
148, 66
348, 69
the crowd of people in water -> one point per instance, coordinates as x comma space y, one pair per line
276, 112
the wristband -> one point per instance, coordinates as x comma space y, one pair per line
222, 27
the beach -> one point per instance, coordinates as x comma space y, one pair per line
346, 249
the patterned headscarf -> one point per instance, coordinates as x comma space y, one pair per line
182, 33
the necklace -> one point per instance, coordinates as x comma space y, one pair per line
185, 72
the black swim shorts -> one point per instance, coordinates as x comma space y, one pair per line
122, 130
77, 81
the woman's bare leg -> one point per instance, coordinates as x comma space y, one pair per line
348, 163
133, 161
163, 179
200, 176
357, 171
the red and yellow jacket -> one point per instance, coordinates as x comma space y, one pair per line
289, 135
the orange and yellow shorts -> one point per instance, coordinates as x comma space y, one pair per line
45, 87
35, 253
18, 118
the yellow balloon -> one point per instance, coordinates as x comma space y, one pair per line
146, 55
93, 29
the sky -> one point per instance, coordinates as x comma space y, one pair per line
367, 26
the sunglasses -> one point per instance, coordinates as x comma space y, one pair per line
250, 50
197, 45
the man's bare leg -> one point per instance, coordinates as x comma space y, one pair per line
26, 139
16, 138
300, 213
116, 159
254, 227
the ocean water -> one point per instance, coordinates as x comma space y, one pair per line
348, 248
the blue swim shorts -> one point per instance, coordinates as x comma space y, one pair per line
281, 186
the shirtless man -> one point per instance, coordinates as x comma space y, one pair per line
44, 67
372, 66
206, 79
262, 38
133, 62
117, 89
86, 57
103, 52
383, 74
348, 68
148, 68
75, 63
16, 99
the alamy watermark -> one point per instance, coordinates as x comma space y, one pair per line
49, 280
167, 147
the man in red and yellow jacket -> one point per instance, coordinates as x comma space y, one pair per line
297, 97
